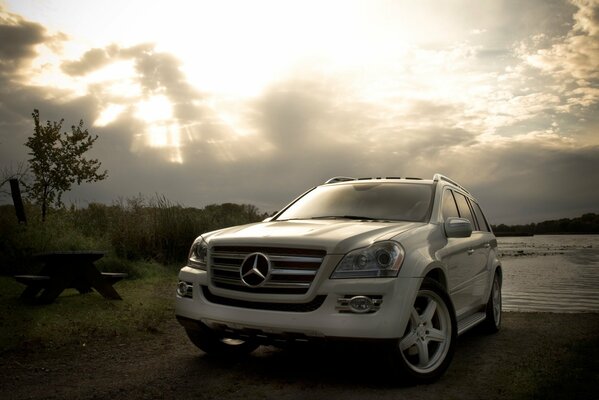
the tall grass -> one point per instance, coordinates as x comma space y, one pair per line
133, 232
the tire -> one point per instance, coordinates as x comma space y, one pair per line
211, 342
426, 348
492, 322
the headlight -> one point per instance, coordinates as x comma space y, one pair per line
198, 255
380, 260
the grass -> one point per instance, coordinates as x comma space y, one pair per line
75, 318
147, 238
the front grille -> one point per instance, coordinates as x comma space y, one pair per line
255, 305
292, 270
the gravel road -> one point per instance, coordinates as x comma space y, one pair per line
535, 355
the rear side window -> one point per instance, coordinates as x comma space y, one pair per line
449, 207
464, 208
482, 221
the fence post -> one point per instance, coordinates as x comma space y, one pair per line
18, 201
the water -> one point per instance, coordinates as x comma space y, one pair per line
550, 273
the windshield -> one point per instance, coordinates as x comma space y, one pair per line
364, 201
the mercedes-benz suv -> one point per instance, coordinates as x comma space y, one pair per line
410, 263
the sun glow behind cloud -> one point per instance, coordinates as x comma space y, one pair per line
239, 54
265, 89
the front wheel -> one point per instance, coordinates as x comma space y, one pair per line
426, 348
212, 343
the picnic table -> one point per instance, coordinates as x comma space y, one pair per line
68, 269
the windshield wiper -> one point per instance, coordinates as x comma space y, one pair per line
353, 217
356, 217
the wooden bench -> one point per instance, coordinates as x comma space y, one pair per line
42, 280
69, 269
114, 277
33, 280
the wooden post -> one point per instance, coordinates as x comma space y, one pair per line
18, 201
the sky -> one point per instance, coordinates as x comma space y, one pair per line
207, 102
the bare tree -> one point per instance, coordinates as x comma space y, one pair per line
11, 172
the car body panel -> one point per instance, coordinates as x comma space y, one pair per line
466, 267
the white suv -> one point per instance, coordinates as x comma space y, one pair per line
410, 263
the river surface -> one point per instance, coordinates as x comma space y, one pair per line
550, 273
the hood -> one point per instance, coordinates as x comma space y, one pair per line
334, 236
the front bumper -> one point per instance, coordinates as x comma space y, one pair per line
293, 319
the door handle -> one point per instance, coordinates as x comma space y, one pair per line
487, 245
470, 252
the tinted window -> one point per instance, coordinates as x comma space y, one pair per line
482, 221
464, 208
389, 201
449, 207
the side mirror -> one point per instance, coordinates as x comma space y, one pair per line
458, 228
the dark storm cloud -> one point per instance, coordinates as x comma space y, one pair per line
18, 39
530, 182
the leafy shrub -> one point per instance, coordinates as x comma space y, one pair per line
133, 232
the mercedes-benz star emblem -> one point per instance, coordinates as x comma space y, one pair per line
255, 270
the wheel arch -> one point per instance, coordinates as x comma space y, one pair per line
437, 273
499, 270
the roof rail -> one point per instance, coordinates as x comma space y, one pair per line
339, 179
439, 177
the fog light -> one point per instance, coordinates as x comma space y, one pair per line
361, 304
184, 289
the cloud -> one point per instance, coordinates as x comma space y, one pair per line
18, 39
587, 17
534, 179
168, 109
572, 59
91, 61
509, 122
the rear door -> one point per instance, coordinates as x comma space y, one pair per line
483, 283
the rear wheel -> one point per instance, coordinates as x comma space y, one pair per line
425, 350
492, 322
211, 342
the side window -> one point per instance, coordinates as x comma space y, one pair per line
464, 208
482, 221
449, 207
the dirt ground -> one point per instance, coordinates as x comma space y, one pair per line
545, 356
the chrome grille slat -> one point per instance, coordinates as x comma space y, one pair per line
286, 284
296, 259
230, 268
291, 270
236, 282
270, 284
296, 272
235, 256
241, 256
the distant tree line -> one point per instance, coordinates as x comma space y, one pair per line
587, 223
